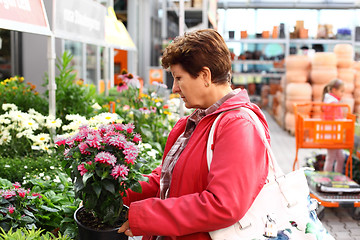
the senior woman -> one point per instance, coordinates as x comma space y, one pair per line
183, 199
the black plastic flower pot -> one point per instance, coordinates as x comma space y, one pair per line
87, 233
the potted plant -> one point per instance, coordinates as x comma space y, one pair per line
102, 163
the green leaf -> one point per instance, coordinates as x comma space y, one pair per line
86, 177
136, 187
27, 219
79, 185
97, 188
49, 209
28, 213
109, 186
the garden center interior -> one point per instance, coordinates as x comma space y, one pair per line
283, 53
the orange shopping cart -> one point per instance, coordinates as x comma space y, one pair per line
331, 126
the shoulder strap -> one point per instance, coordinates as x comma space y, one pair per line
209, 151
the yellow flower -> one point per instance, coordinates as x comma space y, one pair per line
14, 87
167, 113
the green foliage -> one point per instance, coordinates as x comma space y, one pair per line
30, 234
72, 96
59, 204
18, 207
14, 90
50, 205
20, 169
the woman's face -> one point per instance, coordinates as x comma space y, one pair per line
192, 90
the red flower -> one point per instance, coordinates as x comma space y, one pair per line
105, 157
22, 192
119, 171
137, 138
82, 169
11, 209
16, 185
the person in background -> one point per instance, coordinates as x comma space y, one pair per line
333, 92
183, 199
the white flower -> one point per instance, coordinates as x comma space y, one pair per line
25, 167
27, 133
152, 153
96, 106
7, 166
57, 180
51, 122
103, 118
7, 106
146, 145
30, 124
5, 137
41, 174
40, 139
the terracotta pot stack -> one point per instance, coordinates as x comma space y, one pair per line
324, 69
357, 88
298, 90
345, 64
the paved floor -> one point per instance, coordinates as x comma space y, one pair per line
336, 220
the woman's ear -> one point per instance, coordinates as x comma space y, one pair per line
206, 76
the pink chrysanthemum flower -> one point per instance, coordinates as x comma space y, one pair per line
94, 141
118, 141
17, 185
129, 127
105, 157
82, 147
22, 192
119, 171
11, 209
66, 153
61, 141
119, 126
137, 138
131, 152
8, 194
82, 169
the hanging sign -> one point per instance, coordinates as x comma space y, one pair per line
24, 16
80, 20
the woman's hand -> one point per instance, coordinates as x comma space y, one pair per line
125, 228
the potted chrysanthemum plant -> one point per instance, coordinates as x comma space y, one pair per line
102, 163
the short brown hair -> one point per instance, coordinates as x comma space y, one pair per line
198, 49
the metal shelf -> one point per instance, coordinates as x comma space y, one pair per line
254, 62
320, 41
270, 75
259, 40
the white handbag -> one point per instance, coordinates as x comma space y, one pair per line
283, 206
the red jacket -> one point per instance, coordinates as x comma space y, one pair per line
201, 201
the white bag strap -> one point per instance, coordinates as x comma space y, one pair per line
273, 165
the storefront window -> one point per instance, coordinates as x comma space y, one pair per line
5, 54
91, 64
76, 50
